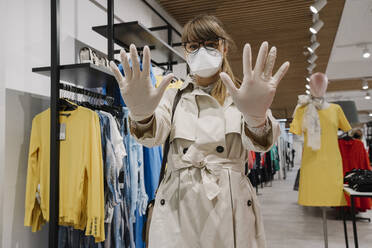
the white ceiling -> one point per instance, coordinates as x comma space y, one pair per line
346, 62
355, 27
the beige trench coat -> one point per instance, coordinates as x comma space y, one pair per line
204, 200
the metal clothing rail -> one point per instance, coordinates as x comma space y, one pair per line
56, 86
54, 124
54, 118
82, 91
165, 20
170, 29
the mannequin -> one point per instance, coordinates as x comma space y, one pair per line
321, 177
318, 84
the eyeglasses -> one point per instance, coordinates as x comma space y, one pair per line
194, 46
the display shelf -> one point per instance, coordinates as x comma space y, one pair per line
136, 33
86, 75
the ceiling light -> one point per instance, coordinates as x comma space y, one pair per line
308, 79
313, 47
311, 67
317, 6
365, 84
316, 26
312, 58
366, 53
313, 38
367, 96
307, 86
307, 92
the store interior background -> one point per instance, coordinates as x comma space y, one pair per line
25, 43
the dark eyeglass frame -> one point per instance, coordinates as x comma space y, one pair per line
202, 43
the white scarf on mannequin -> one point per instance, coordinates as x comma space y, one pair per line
311, 120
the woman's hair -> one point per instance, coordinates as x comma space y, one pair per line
357, 134
207, 27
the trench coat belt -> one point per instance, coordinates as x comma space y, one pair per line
209, 169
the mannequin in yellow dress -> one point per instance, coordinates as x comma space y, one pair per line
321, 177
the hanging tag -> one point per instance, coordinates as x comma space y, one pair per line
62, 131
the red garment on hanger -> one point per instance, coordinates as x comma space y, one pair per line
263, 159
354, 156
251, 159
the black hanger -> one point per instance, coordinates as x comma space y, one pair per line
345, 136
65, 105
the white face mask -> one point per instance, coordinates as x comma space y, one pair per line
204, 63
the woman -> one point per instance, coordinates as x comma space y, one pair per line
204, 199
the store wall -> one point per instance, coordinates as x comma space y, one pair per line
20, 109
2, 119
26, 45
28, 38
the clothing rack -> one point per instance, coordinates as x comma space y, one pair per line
87, 75
82, 91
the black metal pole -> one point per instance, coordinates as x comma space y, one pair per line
54, 126
170, 41
110, 31
345, 227
354, 221
110, 40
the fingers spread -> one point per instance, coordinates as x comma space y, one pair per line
261, 59
135, 63
117, 73
125, 63
269, 65
228, 83
280, 73
146, 62
164, 84
247, 61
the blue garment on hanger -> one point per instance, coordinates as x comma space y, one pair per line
152, 164
152, 159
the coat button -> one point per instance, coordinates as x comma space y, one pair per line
220, 149
185, 150
162, 201
249, 203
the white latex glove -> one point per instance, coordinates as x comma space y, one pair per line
136, 89
255, 95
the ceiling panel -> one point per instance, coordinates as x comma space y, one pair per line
282, 23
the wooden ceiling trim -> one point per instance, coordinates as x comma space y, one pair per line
228, 5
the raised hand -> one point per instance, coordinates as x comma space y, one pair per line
255, 95
136, 89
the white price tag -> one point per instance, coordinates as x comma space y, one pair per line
62, 131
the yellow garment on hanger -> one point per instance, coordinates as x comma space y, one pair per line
175, 85
81, 196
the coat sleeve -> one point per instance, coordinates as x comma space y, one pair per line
95, 197
296, 125
156, 130
32, 207
263, 142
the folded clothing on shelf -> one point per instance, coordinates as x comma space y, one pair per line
359, 180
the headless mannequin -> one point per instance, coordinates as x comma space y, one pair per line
318, 88
318, 84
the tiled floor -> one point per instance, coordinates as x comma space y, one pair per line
289, 225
